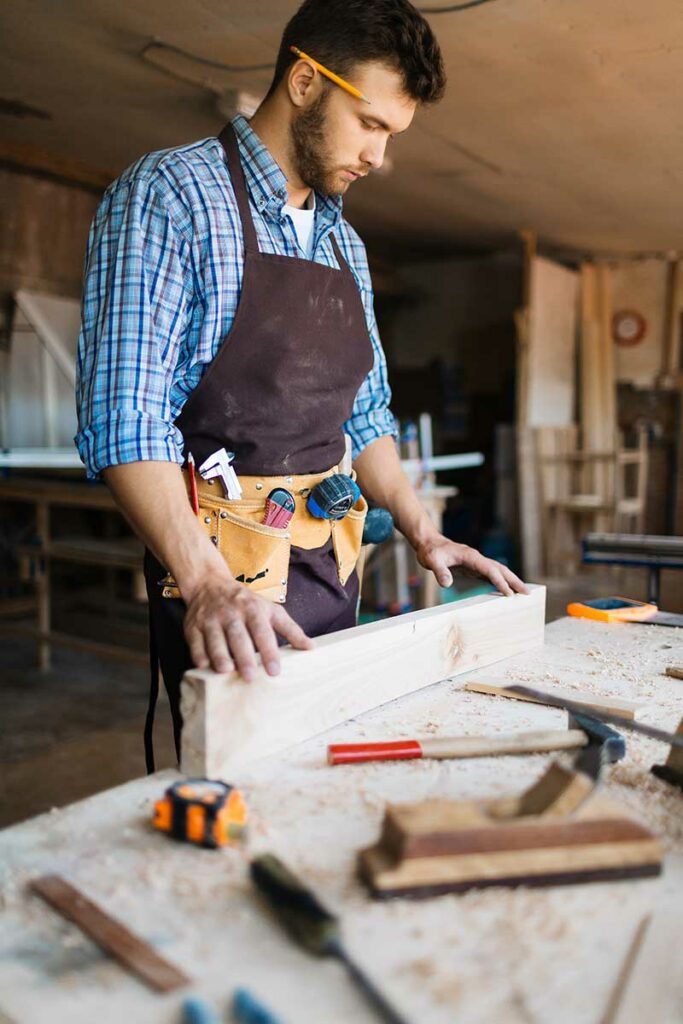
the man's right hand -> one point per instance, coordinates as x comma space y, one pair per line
225, 625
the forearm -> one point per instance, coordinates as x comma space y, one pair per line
382, 481
153, 498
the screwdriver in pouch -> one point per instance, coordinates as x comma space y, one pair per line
311, 925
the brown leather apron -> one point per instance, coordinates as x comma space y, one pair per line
277, 393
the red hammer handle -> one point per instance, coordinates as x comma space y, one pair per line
353, 753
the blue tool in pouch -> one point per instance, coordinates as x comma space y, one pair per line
333, 497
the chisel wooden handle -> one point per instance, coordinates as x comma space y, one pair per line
457, 746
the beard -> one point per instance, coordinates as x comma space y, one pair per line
311, 151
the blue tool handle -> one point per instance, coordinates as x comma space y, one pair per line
247, 1009
196, 1011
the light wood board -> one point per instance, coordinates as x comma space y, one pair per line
591, 701
228, 723
547, 334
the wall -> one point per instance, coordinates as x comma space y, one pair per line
457, 303
43, 231
641, 286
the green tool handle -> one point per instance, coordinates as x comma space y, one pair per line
368, 988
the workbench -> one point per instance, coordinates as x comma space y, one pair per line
513, 956
48, 498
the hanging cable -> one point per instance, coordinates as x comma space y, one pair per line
236, 68
452, 8
205, 60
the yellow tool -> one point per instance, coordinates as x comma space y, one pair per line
202, 811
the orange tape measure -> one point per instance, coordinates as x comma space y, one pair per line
202, 811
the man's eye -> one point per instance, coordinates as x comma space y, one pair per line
366, 124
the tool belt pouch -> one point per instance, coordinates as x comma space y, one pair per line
347, 536
257, 555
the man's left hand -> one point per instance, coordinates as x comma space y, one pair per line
441, 554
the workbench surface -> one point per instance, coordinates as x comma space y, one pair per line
509, 956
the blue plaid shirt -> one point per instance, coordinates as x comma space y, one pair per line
163, 275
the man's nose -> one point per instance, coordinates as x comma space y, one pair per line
373, 154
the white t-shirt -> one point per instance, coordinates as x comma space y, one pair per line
304, 222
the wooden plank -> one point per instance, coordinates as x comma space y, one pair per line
545, 395
229, 722
594, 701
671, 348
113, 937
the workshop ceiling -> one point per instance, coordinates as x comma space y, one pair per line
563, 116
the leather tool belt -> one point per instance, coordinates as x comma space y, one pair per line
258, 555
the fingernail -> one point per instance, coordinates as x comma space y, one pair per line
273, 668
247, 674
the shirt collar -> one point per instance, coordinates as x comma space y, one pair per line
267, 183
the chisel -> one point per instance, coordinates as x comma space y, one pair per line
311, 925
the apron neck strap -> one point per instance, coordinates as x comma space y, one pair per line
343, 265
228, 141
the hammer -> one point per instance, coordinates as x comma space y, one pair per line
583, 731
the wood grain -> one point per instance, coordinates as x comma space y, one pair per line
591, 701
114, 938
229, 723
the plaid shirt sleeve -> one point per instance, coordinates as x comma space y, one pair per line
371, 417
136, 303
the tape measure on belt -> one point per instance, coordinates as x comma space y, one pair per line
333, 497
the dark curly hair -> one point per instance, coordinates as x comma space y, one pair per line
343, 33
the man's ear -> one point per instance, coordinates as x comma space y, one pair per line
304, 84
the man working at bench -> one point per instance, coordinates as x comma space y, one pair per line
228, 309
